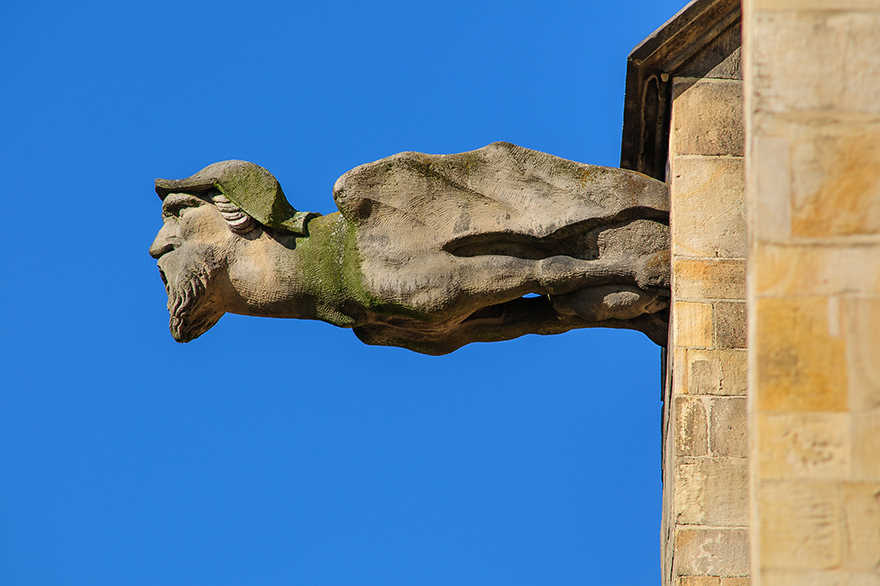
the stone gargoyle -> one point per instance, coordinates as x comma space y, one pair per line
427, 252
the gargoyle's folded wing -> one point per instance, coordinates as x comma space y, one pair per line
411, 203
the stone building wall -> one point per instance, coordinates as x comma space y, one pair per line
771, 462
706, 466
812, 74
683, 123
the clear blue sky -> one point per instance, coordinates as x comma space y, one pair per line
282, 452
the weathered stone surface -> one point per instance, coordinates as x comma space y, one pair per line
770, 181
728, 427
812, 5
800, 525
428, 252
712, 491
699, 581
717, 372
680, 365
734, 372
829, 62
692, 325
704, 279
706, 117
813, 578
712, 581
813, 194
705, 374
707, 226
816, 269
691, 432
861, 511
730, 324
836, 187
863, 350
803, 445
816, 180
865, 429
712, 552
802, 366
708, 217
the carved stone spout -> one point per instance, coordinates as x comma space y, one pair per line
427, 252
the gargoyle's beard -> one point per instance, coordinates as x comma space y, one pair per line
191, 313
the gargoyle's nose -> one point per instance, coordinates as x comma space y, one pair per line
163, 243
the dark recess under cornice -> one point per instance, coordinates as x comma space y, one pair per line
650, 68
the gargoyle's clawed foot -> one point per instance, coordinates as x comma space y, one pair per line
608, 302
652, 270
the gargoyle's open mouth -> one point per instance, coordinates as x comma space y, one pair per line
163, 277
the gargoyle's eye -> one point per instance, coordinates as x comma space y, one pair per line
176, 205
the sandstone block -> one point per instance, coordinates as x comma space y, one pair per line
866, 446
835, 178
800, 525
718, 372
730, 324
707, 207
712, 491
861, 510
712, 581
769, 192
863, 351
691, 427
728, 428
800, 365
813, 578
699, 280
699, 581
705, 374
707, 117
734, 372
812, 5
692, 324
803, 445
815, 61
821, 270
680, 366
712, 552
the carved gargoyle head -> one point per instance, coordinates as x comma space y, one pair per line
208, 221
193, 249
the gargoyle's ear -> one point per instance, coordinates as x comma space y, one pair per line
251, 187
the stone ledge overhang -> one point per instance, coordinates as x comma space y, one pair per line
649, 71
